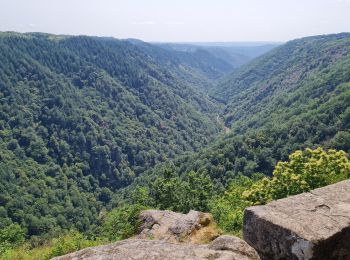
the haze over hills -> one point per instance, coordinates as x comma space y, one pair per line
88, 124
236, 54
200, 68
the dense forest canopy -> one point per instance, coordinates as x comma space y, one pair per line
89, 124
294, 97
82, 116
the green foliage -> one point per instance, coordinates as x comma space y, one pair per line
294, 97
11, 236
306, 170
71, 242
81, 117
228, 209
168, 190
26, 252
67, 243
140, 195
122, 222
199, 191
171, 192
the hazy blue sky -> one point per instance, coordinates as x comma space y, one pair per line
179, 20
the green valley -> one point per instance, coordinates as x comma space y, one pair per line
93, 130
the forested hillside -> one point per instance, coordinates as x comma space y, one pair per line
295, 97
80, 117
200, 65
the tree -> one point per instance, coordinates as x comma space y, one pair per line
200, 190
228, 209
122, 222
305, 170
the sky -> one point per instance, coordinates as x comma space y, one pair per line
179, 20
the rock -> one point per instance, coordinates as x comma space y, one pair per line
235, 245
195, 227
159, 250
313, 225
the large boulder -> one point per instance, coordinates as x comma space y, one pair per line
139, 249
313, 225
195, 227
237, 246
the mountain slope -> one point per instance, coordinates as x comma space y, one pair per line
80, 117
198, 63
294, 97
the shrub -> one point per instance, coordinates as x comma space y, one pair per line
122, 222
305, 170
11, 236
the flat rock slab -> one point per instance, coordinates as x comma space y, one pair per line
194, 227
224, 248
312, 225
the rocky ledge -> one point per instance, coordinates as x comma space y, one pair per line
312, 225
170, 235
224, 248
